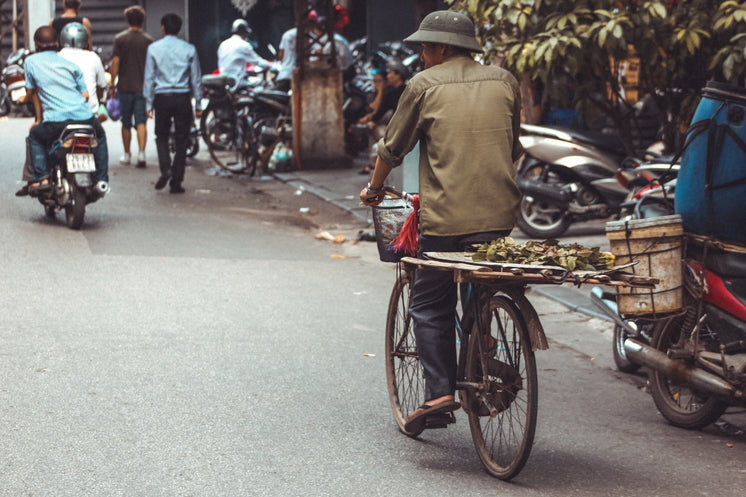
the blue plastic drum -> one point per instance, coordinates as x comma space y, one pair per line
711, 186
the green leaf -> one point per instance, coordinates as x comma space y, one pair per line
602, 37
659, 10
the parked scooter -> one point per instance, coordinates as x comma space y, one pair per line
13, 85
71, 175
568, 176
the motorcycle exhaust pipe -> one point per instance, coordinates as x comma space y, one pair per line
699, 379
542, 191
102, 188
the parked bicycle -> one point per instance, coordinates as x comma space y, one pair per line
225, 125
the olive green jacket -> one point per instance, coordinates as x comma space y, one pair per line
466, 117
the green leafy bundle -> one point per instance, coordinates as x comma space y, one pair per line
546, 253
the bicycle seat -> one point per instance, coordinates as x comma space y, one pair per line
218, 81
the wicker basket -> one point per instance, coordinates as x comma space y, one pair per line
388, 219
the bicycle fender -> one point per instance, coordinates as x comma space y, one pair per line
533, 323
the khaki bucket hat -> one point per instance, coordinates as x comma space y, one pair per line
447, 27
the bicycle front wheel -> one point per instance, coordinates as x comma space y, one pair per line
502, 413
404, 375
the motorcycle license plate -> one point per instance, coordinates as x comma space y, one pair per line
80, 163
16, 94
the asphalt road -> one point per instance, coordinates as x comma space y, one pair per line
207, 344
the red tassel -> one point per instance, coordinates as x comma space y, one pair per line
408, 239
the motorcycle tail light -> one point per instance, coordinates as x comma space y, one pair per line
82, 141
80, 144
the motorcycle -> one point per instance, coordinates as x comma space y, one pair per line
13, 85
567, 176
697, 358
71, 175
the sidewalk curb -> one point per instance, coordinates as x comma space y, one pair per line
345, 203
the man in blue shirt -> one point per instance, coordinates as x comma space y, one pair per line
59, 93
171, 73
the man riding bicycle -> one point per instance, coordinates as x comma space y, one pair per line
466, 117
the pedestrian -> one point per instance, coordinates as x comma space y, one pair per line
71, 13
466, 117
74, 39
128, 68
59, 93
235, 52
286, 54
172, 78
396, 76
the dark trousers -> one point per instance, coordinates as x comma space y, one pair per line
433, 312
176, 108
42, 136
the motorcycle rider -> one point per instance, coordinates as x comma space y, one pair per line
59, 93
235, 52
74, 40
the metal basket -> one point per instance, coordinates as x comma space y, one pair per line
388, 219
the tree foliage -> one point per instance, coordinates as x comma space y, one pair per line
577, 44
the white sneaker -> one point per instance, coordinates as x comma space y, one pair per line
141, 158
125, 159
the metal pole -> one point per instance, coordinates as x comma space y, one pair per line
14, 26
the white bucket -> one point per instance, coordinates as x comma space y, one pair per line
655, 244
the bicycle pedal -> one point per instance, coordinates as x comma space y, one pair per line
439, 420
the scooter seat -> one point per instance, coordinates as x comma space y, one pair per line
73, 129
218, 81
277, 96
721, 262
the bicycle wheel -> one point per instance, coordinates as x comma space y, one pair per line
503, 440
229, 142
404, 376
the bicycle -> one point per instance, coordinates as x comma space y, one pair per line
226, 127
501, 405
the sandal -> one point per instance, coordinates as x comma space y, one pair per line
23, 191
417, 420
39, 186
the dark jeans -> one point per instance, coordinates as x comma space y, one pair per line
42, 136
433, 312
176, 108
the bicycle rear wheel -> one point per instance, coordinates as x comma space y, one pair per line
503, 441
404, 376
230, 142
